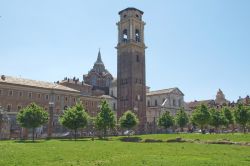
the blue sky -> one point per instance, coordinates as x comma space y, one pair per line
196, 45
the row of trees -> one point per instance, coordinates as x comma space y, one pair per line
204, 117
75, 118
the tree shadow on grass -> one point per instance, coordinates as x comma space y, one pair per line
130, 139
72, 140
30, 141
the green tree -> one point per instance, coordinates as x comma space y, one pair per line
181, 118
128, 120
217, 118
242, 116
166, 120
201, 117
229, 116
31, 117
74, 118
105, 119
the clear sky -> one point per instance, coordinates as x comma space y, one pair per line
196, 45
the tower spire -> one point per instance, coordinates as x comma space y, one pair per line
99, 58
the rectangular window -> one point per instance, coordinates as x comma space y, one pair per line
11, 93
47, 97
66, 98
30, 95
19, 108
38, 95
20, 94
137, 58
58, 98
9, 107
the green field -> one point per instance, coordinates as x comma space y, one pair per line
114, 152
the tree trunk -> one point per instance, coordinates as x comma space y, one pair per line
33, 134
244, 129
75, 133
104, 134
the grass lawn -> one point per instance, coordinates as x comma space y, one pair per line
114, 152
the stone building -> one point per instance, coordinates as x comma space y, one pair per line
17, 93
131, 81
99, 77
218, 102
244, 101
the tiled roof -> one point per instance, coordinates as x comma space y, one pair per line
162, 91
194, 104
34, 83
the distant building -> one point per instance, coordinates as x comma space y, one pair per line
244, 101
99, 77
218, 102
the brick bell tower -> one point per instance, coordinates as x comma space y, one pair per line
131, 79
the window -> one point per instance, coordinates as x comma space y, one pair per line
174, 103
156, 103
74, 99
30, 95
114, 106
137, 58
19, 108
47, 97
39, 96
20, 94
1, 91
9, 107
137, 35
138, 97
180, 102
125, 35
11, 93
58, 97
148, 103
66, 98
124, 16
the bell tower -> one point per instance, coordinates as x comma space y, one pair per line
131, 79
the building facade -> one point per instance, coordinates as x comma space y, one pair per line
131, 79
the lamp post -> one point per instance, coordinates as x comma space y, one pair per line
51, 114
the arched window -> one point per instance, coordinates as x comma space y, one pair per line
125, 35
174, 103
148, 103
137, 35
156, 103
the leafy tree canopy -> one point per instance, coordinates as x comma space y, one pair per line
166, 120
201, 116
32, 116
128, 120
181, 118
105, 119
